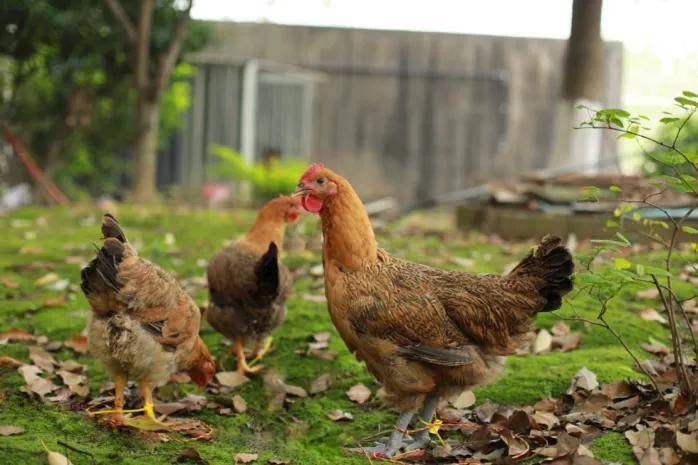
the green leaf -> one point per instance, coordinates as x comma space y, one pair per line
623, 238
668, 158
581, 107
612, 223
689, 230
656, 271
686, 101
668, 120
690, 94
640, 269
621, 263
614, 188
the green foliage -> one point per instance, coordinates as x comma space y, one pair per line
279, 176
608, 271
69, 91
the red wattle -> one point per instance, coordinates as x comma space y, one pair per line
312, 203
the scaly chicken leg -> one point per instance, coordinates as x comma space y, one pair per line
243, 367
394, 443
117, 413
421, 439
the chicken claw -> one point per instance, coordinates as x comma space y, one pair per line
261, 352
243, 367
393, 444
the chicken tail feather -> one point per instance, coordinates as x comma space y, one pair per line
551, 266
111, 228
100, 275
267, 273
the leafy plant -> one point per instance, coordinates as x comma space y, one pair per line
604, 279
279, 176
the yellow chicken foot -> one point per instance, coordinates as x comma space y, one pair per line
117, 413
243, 367
260, 352
148, 421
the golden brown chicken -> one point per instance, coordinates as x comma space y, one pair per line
248, 285
143, 325
423, 333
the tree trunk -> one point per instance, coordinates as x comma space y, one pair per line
145, 152
580, 151
584, 59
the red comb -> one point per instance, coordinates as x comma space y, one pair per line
312, 169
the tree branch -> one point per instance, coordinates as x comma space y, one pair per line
637, 134
121, 17
168, 59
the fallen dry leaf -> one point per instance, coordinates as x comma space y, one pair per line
16, 335
584, 379
47, 279
340, 415
321, 384
41, 358
78, 343
231, 378
57, 301
688, 442
9, 430
239, 404
55, 458
31, 250
9, 282
651, 293
464, 400
322, 336
9, 361
296, 391
560, 329
244, 457
485, 411
543, 341
189, 454
651, 314
359, 393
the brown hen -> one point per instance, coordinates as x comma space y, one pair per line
248, 285
424, 333
143, 325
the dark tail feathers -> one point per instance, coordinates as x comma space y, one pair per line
100, 275
267, 273
552, 263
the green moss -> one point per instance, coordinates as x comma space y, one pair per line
613, 447
302, 432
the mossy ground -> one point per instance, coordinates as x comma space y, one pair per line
302, 433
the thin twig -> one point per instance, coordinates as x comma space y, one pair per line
75, 449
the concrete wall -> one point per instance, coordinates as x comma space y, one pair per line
409, 114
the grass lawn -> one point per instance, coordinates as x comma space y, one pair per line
302, 432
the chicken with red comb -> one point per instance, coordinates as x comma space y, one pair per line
424, 333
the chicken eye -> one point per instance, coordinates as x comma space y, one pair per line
320, 181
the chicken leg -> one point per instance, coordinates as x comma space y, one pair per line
262, 349
421, 438
243, 367
117, 413
394, 443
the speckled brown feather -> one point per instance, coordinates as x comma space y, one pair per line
419, 329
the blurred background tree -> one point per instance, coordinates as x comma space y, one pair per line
68, 88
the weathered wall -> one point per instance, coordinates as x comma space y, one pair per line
409, 114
